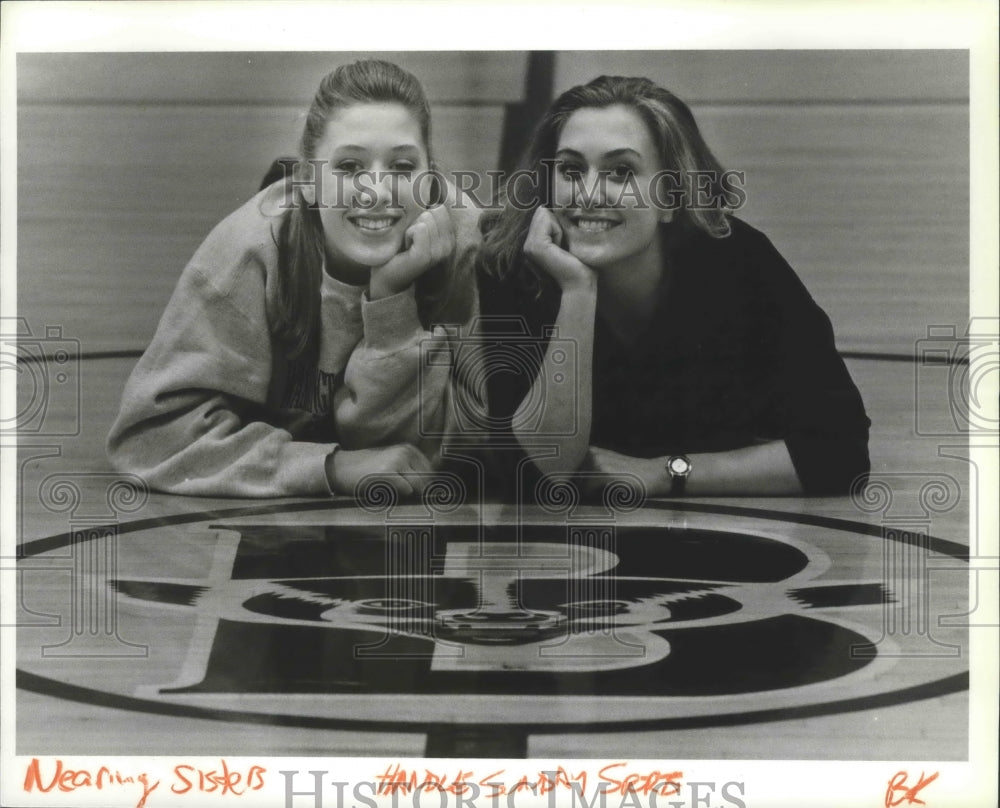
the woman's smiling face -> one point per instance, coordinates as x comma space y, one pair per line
371, 153
605, 162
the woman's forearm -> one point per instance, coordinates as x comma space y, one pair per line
765, 469
552, 424
762, 470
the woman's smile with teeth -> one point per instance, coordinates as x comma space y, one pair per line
594, 225
374, 223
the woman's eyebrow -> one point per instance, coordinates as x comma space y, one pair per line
607, 155
351, 147
623, 152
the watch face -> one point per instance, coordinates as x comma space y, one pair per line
679, 465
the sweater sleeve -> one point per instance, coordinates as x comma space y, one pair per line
823, 417
186, 423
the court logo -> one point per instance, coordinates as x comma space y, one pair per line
350, 610
682, 620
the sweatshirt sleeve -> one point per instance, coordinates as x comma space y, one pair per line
823, 416
186, 423
402, 383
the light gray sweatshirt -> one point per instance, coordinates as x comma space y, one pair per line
214, 408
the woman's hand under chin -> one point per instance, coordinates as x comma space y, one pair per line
542, 246
428, 241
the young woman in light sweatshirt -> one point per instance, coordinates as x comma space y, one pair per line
296, 355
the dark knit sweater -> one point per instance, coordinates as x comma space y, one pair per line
737, 352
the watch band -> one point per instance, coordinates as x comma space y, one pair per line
678, 467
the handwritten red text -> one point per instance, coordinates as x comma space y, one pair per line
66, 780
222, 779
899, 783
615, 778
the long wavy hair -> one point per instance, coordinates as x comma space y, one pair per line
680, 147
301, 242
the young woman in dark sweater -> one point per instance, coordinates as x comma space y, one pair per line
660, 336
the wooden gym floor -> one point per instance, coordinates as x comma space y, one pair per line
145, 649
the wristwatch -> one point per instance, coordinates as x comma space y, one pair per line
678, 467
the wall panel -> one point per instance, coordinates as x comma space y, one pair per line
868, 204
773, 76
253, 78
126, 161
856, 166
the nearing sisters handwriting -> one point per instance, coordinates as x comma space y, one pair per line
194, 779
